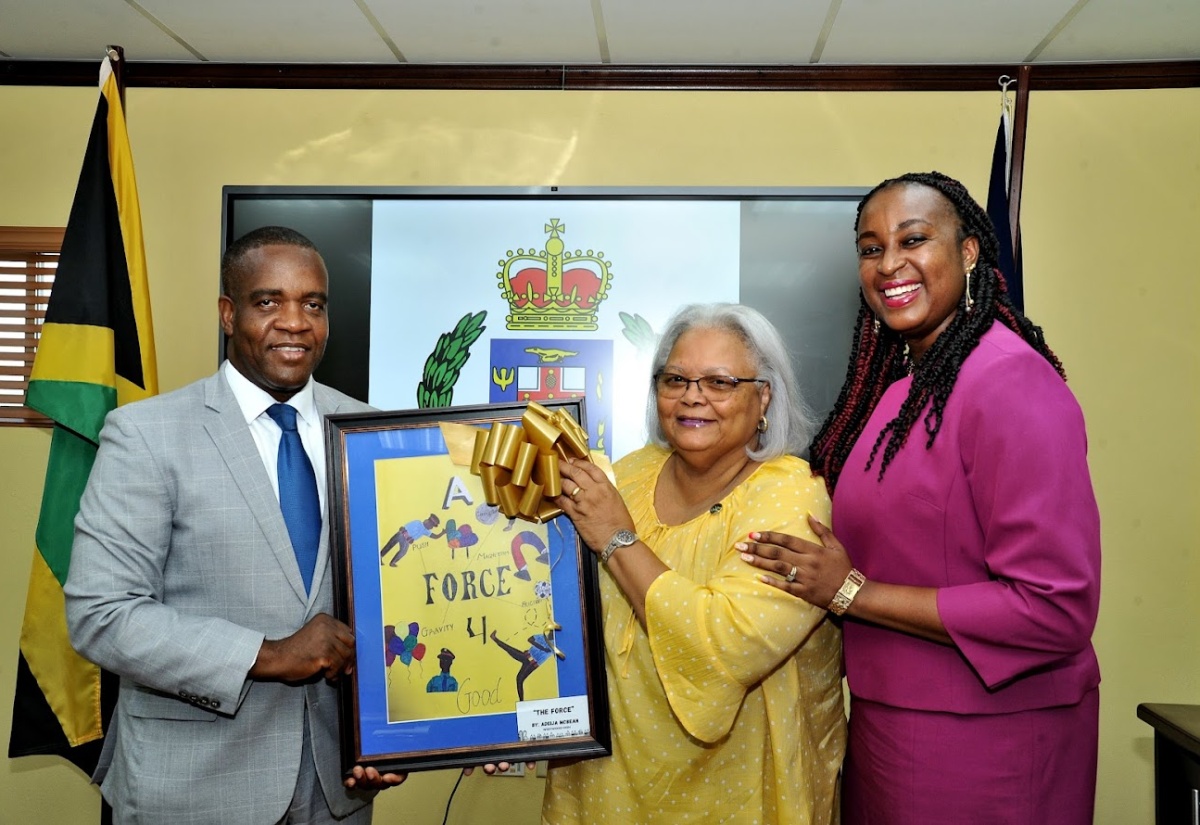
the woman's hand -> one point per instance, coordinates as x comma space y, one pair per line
820, 569
492, 768
592, 503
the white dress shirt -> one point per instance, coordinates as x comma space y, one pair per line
254, 401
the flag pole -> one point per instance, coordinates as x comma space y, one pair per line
116, 54
116, 57
1020, 117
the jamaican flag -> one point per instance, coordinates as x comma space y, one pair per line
96, 351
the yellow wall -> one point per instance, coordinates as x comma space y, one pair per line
1109, 218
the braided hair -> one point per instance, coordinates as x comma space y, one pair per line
878, 357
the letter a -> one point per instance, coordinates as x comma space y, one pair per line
456, 490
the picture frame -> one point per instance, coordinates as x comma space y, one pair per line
477, 637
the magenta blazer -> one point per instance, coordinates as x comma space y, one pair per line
1000, 516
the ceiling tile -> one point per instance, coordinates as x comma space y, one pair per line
80, 29
491, 31
274, 31
1120, 30
941, 31
713, 31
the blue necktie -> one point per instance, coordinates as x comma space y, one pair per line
297, 492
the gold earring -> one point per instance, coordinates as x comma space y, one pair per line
970, 300
763, 424
875, 324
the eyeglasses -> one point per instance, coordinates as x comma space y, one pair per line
673, 385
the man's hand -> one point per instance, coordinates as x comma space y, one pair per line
324, 645
369, 779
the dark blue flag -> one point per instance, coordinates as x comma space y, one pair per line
997, 208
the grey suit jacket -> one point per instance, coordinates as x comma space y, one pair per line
181, 567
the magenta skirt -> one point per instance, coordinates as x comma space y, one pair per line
912, 767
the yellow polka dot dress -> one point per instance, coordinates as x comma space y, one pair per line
727, 708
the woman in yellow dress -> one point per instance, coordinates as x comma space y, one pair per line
725, 694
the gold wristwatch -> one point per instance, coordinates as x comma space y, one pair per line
841, 599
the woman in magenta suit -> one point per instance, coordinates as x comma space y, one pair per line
967, 551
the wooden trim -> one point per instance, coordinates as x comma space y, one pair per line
956, 78
30, 309
1176, 74
24, 357
23, 238
23, 417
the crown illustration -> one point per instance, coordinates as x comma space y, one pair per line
552, 288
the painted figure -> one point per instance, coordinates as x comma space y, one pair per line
443, 682
409, 533
541, 647
535, 541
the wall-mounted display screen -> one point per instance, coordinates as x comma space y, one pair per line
453, 296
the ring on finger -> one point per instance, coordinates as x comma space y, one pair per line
575, 492
791, 576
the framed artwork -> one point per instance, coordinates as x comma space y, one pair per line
477, 634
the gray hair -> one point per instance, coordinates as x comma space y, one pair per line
790, 421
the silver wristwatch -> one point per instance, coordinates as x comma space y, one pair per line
621, 538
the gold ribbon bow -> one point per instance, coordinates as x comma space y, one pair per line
519, 464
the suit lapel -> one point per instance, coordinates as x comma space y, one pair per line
227, 428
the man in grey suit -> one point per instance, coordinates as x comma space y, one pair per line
184, 580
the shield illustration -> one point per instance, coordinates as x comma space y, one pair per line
546, 369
